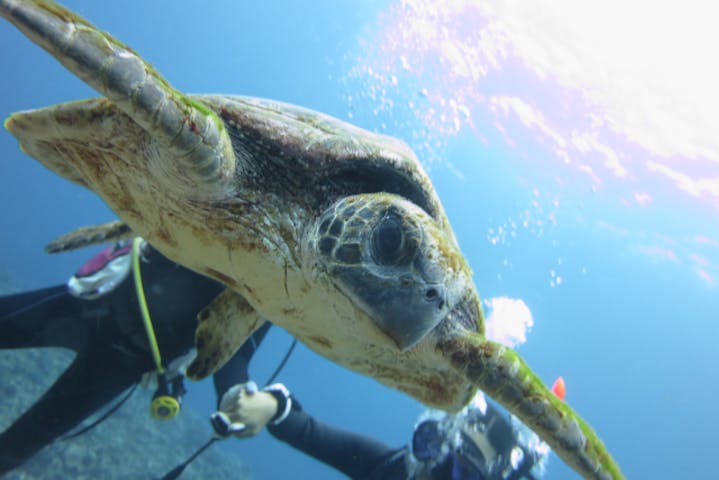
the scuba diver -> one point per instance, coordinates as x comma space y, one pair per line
478, 443
99, 314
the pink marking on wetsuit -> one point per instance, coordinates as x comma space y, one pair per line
99, 261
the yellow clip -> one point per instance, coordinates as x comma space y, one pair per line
164, 407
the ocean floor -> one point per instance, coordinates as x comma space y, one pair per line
130, 444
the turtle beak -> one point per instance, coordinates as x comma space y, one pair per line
423, 300
410, 313
410, 306
408, 318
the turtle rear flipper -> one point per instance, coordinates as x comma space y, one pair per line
89, 142
199, 151
90, 235
502, 374
224, 325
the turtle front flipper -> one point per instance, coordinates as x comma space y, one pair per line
90, 235
197, 149
502, 374
223, 327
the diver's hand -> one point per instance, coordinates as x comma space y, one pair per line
244, 404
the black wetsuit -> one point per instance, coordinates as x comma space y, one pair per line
357, 456
112, 349
364, 458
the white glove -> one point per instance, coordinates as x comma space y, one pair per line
248, 409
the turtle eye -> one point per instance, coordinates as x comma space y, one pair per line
389, 245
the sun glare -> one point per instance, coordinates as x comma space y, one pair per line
621, 94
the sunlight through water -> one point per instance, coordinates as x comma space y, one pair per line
616, 99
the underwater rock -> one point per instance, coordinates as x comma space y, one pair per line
128, 445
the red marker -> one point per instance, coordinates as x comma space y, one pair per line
558, 388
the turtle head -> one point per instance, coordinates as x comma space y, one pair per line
389, 256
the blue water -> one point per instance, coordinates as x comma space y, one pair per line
633, 335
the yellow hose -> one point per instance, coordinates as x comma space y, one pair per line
136, 242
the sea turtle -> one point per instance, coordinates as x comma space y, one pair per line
332, 232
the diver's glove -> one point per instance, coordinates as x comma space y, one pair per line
245, 410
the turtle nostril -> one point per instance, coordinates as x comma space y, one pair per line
434, 294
